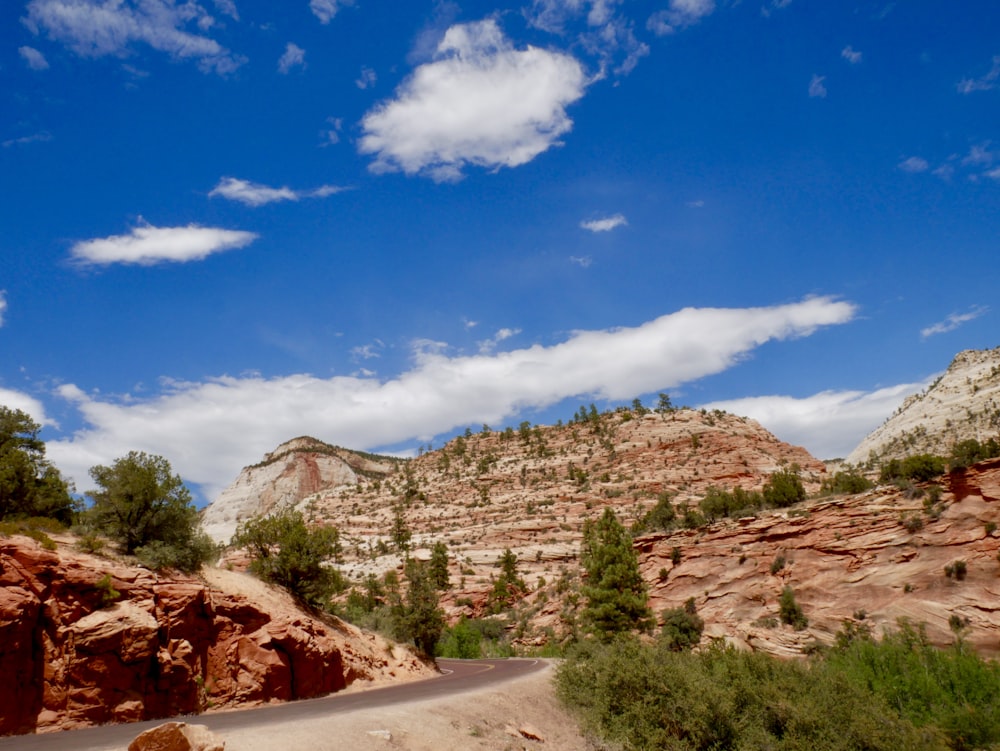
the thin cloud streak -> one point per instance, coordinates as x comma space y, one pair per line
256, 194
147, 245
209, 430
953, 321
606, 224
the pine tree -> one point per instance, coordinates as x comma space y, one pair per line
615, 590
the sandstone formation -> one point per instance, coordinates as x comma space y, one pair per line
964, 403
86, 640
873, 557
293, 471
177, 736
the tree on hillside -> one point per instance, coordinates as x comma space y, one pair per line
615, 591
439, 566
288, 553
146, 509
509, 585
29, 484
420, 619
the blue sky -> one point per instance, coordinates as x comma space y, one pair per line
231, 222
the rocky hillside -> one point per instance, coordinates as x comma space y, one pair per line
964, 403
874, 556
294, 470
86, 640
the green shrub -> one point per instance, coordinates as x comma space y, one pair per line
919, 468
846, 482
777, 564
682, 627
107, 594
790, 612
784, 488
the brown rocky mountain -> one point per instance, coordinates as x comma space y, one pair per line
86, 640
963, 403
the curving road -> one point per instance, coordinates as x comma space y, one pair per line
458, 676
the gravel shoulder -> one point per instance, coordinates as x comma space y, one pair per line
486, 719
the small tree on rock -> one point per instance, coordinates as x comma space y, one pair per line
29, 484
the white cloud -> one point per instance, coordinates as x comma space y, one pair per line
606, 33
994, 174
367, 78
774, 5
210, 430
583, 262
851, 55
3, 304
147, 245
914, 164
35, 59
953, 321
292, 57
979, 155
816, 86
255, 194
986, 82
680, 14
325, 10
479, 102
489, 345
606, 224
331, 135
41, 137
829, 424
27, 404
227, 8
95, 28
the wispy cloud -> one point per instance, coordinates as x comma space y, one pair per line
367, 79
953, 321
605, 224
293, 57
3, 304
96, 28
34, 59
851, 55
680, 14
255, 194
985, 82
816, 87
489, 345
147, 245
479, 102
584, 262
325, 10
600, 30
914, 164
41, 137
769, 8
829, 424
209, 430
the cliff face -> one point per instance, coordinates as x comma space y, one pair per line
293, 471
964, 403
72, 654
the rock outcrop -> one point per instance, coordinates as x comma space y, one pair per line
86, 640
293, 471
964, 403
874, 557
177, 736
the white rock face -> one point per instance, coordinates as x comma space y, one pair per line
290, 473
964, 403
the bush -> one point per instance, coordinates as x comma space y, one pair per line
784, 488
790, 612
846, 482
682, 627
284, 551
29, 485
661, 518
966, 453
919, 468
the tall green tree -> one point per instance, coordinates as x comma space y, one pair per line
439, 566
144, 507
29, 484
421, 619
615, 591
286, 552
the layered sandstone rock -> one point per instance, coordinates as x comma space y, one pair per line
72, 653
293, 471
845, 558
964, 403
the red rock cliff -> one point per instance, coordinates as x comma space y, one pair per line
168, 645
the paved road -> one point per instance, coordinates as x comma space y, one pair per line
458, 676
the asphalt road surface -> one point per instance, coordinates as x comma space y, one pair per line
458, 676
